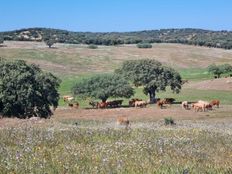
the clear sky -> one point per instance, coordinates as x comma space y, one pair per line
116, 15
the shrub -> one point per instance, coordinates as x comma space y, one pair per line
92, 46
144, 45
169, 121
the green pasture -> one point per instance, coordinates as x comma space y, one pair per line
186, 94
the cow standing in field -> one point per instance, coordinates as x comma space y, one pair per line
132, 101
140, 104
208, 106
185, 105
215, 103
114, 103
160, 104
74, 105
198, 106
68, 98
169, 100
102, 105
122, 120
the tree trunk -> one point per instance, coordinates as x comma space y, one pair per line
152, 97
104, 100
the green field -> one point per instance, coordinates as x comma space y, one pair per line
185, 94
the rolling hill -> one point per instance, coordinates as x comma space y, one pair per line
219, 39
73, 59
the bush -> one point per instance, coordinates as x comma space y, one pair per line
26, 91
144, 45
92, 46
169, 121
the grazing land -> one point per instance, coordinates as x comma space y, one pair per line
88, 140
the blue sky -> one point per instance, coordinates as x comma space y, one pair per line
116, 15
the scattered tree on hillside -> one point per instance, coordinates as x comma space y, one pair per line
220, 69
151, 75
144, 45
1, 39
214, 69
226, 68
26, 91
103, 86
49, 40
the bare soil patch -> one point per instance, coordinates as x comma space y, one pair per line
150, 113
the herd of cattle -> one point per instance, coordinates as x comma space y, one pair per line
139, 103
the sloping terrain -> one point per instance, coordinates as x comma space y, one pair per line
224, 84
69, 59
219, 39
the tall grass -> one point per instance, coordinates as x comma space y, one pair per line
69, 149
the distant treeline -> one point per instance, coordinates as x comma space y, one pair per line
219, 39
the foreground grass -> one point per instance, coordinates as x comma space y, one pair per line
67, 148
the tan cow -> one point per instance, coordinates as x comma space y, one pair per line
184, 105
133, 100
208, 106
198, 106
67, 98
140, 104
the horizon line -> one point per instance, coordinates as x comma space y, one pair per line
128, 31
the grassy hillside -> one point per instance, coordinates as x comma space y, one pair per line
68, 59
73, 62
220, 39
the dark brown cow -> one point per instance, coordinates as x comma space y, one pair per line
114, 103
74, 105
168, 100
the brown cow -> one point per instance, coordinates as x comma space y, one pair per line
122, 120
102, 105
215, 102
74, 105
160, 104
169, 100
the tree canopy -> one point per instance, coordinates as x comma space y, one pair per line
151, 75
50, 40
26, 91
1, 39
103, 86
219, 39
220, 69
